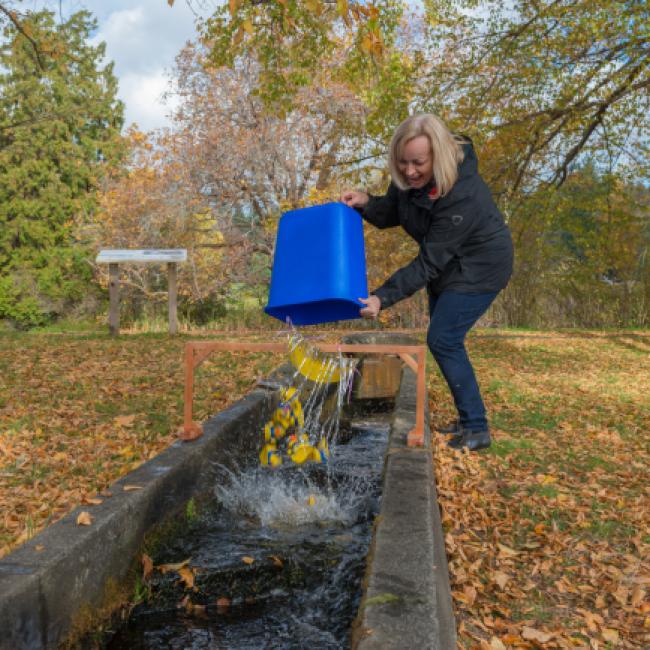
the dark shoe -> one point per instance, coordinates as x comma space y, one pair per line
472, 440
453, 428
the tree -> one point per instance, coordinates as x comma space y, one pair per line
217, 182
542, 84
59, 126
539, 86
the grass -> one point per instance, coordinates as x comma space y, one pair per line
564, 486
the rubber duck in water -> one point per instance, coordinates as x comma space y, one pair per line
269, 456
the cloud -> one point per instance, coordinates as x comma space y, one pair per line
143, 41
144, 94
142, 38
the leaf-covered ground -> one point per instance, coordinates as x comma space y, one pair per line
77, 412
547, 532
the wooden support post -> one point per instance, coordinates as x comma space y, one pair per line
191, 430
172, 293
114, 298
415, 437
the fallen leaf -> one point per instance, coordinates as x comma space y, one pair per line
165, 568
93, 501
507, 551
470, 594
130, 488
637, 596
497, 644
501, 578
187, 576
147, 566
247, 559
84, 518
276, 561
610, 635
531, 634
39, 547
124, 420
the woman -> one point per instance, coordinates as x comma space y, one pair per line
465, 256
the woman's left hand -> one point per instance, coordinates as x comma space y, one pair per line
372, 307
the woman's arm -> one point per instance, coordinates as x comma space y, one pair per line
380, 211
447, 233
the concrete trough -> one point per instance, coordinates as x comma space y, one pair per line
68, 573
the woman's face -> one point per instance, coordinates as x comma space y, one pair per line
416, 162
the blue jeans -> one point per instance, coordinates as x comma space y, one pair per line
452, 316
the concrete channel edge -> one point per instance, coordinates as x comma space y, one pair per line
407, 598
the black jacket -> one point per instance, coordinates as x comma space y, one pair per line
465, 244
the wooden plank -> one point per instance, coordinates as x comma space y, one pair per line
114, 299
172, 293
144, 255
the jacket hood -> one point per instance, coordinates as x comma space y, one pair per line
469, 165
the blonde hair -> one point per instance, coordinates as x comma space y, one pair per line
445, 148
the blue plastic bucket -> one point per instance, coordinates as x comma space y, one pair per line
319, 267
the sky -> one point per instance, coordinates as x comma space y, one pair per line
142, 38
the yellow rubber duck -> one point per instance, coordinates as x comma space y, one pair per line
321, 452
300, 450
274, 431
269, 455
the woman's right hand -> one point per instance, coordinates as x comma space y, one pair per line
354, 198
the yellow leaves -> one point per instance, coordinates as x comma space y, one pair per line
247, 25
84, 518
552, 532
315, 6
247, 559
372, 43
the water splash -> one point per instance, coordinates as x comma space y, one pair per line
289, 498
